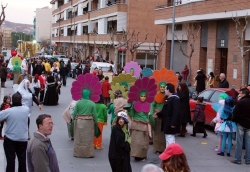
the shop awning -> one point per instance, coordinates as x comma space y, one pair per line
84, 4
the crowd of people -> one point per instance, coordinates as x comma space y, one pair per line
143, 108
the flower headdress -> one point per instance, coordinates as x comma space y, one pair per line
162, 77
133, 66
86, 82
144, 86
147, 72
115, 87
124, 80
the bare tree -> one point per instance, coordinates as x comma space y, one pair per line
118, 44
244, 49
157, 48
2, 19
192, 33
134, 44
102, 47
45, 44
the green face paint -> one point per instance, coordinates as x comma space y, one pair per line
85, 94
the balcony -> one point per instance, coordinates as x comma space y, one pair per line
81, 38
63, 39
108, 10
82, 17
104, 38
61, 8
199, 10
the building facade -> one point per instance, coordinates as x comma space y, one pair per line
42, 24
6, 38
216, 46
96, 28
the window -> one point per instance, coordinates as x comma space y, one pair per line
112, 26
215, 96
85, 30
178, 27
206, 94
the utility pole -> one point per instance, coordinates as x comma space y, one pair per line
173, 33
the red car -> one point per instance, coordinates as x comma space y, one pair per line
211, 96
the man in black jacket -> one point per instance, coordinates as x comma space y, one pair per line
241, 116
170, 115
223, 82
38, 68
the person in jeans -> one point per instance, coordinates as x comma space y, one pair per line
241, 117
16, 133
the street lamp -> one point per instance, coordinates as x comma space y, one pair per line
173, 33
50, 33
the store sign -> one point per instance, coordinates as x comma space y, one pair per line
123, 48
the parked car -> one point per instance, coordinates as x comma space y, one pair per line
104, 67
211, 96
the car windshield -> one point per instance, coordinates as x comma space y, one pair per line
105, 69
215, 96
206, 94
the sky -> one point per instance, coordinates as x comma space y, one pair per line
22, 11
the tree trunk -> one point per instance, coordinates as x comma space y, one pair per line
116, 57
189, 66
243, 61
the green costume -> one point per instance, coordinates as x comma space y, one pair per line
111, 111
101, 112
138, 116
84, 126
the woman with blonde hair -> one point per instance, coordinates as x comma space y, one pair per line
174, 159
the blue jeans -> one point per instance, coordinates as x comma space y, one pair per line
240, 132
226, 136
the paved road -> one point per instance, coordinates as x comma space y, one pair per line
199, 151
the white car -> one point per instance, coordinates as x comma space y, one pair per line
104, 67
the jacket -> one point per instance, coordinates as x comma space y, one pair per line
170, 115
199, 114
105, 88
201, 85
41, 156
224, 84
241, 113
185, 108
3, 72
102, 114
38, 69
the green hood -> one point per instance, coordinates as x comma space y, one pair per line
85, 94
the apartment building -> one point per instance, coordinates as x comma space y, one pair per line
6, 37
42, 24
216, 47
82, 28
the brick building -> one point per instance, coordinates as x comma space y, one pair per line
216, 47
79, 27
6, 37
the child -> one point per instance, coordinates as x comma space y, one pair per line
227, 127
101, 110
5, 105
199, 118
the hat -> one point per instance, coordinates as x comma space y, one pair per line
124, 115
172, 149
43, 72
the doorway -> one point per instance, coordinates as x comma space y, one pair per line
223, 61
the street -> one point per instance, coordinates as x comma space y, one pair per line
199, 151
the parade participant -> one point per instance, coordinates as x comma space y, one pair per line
17, 70
170, 115
67, 115
174, 159
105, 90
38, 68
36, 85
16, 133
23, 76
133, 68
5, 105
119, 146
102, 117
162, 77
51, 96
125, 80
199, 118
55, 69
87, 90
140, 96
227, 127
183, 94
42, 79
41, 156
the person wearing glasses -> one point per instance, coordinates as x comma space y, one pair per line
41, 156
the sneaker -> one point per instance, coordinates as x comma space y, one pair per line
235, 162
221, 153
228, 154
217, 150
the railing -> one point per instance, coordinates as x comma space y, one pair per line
111, 4
178, 2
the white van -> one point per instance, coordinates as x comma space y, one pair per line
104, 67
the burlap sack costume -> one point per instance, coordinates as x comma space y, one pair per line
159, 137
